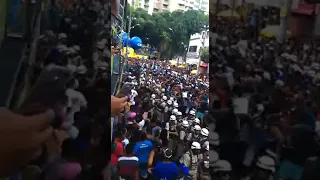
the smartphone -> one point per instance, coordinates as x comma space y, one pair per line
125, 91
49, 92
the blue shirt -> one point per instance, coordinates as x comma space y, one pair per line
166, 171
253, 19
142, 150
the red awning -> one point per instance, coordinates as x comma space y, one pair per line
305, 8
203, 64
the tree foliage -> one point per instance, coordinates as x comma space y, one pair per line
204, 54
155, 29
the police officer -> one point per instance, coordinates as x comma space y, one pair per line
204, 167
179, 118
194, 136
191, 160
265, 169
222, 170
195, 121
182, 141
190, 118
171, 127
204, 134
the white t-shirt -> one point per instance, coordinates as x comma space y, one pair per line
242, 46
141, 124
76, 100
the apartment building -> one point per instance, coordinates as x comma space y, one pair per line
170, 5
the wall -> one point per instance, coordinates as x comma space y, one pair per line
316, 29
273, 3
195, 40
301, 25
3, 16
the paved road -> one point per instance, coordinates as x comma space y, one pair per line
10, 56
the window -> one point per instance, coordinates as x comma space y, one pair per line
193, 49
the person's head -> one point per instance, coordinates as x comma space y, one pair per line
129, 149
197, 129
120, 134
204, 133
265, 167
195, 147
167, 154
222, 170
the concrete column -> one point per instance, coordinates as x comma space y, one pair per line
316, 30
284, 21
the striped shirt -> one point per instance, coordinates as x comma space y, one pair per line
128, 166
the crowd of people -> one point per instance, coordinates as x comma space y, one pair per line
264, 102
71, 141
163, 133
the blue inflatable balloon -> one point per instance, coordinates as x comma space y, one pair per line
135, 42
125, 39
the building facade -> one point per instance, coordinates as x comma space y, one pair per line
171, 5
196, 42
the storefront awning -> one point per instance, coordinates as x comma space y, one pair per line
304, 8
203, 64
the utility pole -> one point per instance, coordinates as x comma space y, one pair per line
285, 14
203, 39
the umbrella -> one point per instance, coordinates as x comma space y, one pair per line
193, 72
228, 13
173, 63
272, 31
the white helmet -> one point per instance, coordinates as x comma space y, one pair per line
192, 112
185, 123
205, 132
171, 99
175, 111
164, 98
153, 96
222, 165
214, 138
176, 105
195, 145
197, 128
196, 120
179, 113
173, 118
267, 163
169, 102
214, 157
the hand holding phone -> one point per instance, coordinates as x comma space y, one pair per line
49, 92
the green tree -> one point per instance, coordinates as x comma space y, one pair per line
204, 54
167, 31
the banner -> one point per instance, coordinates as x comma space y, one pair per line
3, 16
115, 65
